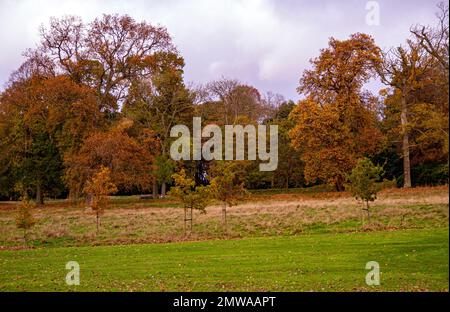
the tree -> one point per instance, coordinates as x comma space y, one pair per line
24, 217
158, 103
433, 116
289, 172
222, 93
416, 104
164, 171
403, 70
97, 189
106, 54
226, 185
290, 166
41, 119
337, 123
435, 40
363, 182
130, 163
228, 100
191, 196
69, 92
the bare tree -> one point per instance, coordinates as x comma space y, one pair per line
270, 103
222, 90
237, 100
435, 40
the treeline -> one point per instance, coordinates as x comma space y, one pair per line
107, 93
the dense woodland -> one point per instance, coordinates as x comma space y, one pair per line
99, 99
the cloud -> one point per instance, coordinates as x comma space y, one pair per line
265, 43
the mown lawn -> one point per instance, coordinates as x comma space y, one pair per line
410, 260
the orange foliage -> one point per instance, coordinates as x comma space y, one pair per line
335, 125
130, 163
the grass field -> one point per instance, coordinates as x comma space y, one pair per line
276, 241
410, 260
270, 213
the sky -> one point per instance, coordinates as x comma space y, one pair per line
264, 43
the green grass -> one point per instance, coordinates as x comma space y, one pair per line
414, 260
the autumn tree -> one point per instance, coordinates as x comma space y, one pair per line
191, 196
416, 101
403, 69
41, 119
230, 102
74, 85
24, 217
97, 189
106, 54
336, 123
290, 166
157, 104
131, 163
432, 116
363, 182
226, 186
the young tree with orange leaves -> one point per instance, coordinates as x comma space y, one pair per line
98, 188
192, 196
336, 123
24, 217
226, 186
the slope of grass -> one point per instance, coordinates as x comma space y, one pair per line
413, 260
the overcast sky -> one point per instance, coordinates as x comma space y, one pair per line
265, 43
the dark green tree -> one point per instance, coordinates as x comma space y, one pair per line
363, 182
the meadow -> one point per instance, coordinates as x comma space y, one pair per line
270, 213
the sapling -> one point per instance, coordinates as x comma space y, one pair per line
363, 182
24, 218
98, 188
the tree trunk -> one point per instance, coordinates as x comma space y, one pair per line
224, 214
405, 144
185, 221
97, 221
192, 217
163, 189
339, 185
155, 189
368, 211
39, 197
